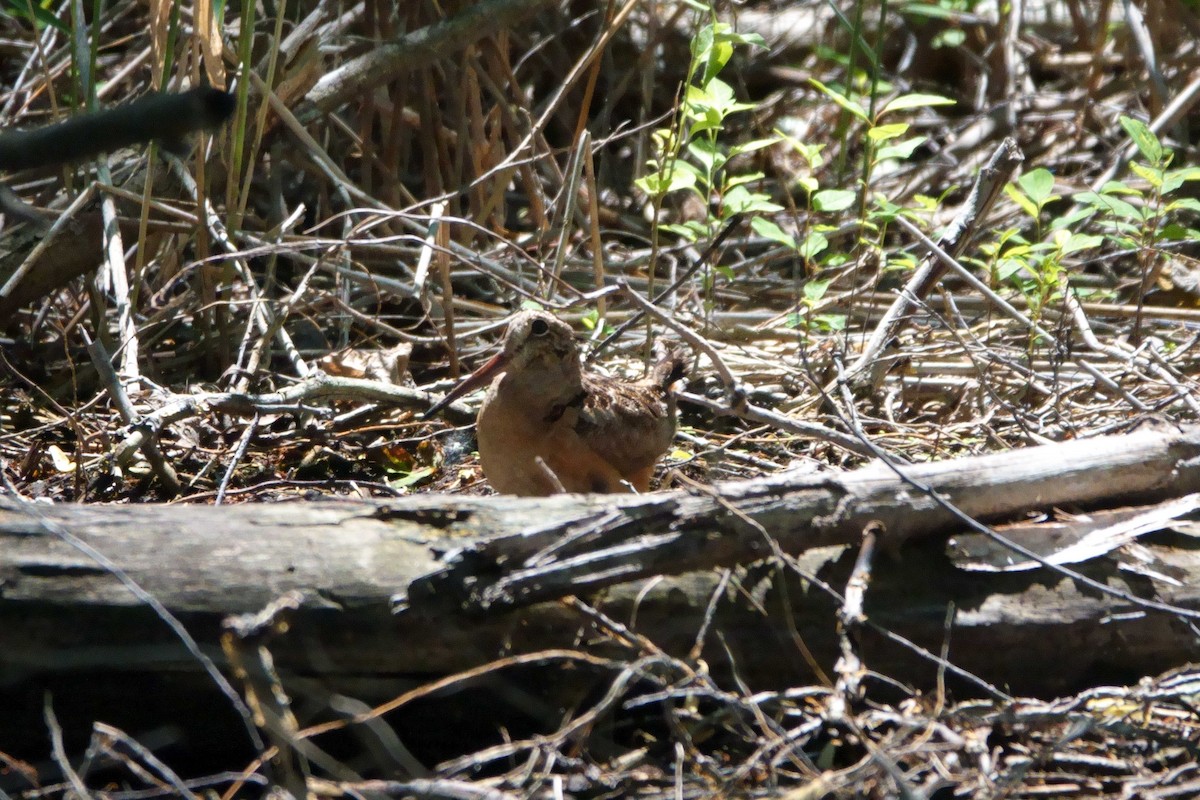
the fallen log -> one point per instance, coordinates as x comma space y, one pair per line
474, 576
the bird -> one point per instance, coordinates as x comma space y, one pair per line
547, 426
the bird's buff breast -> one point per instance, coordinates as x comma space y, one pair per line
514, 433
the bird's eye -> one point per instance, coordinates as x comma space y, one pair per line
539, 327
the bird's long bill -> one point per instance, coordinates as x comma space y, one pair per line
475, 380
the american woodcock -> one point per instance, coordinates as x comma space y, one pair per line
547, 426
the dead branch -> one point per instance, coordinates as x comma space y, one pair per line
414, 50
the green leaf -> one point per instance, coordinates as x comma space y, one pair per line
949, 38
660, 183
769, 230
1185, 204
880, 133
885, 211
41, 16
830, 322
923, 202
1176, 178
833, 199
1119, 187
809, 152
734, 37
1071, 218
1171, 181
716, 94
1108, 204
1019, 250
689, 231
808, 183
815, 290
1021, 199
704, 119
706, 152
701, 46
1145, 140
713, 46
899, 262
751, 146
412, 478
1174, 232
841, 99
738, 180
906, 101
717, 59
666, 140
1125, 242
1150, 175
1008, 267
1080, 241
1038, 184
740, 200
900, 150
813, 245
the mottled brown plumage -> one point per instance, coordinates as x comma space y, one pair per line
546, 425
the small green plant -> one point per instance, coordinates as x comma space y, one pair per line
812, 241
591, 319
1134, 219
1036, 265
690, 155
882, 141
1143, 219
807, 320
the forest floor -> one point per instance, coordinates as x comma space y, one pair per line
393, 240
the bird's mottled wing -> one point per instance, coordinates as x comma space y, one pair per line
628, 424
